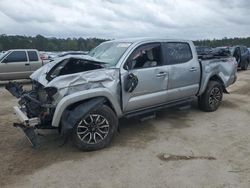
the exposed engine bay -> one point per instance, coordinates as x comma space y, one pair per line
35, 103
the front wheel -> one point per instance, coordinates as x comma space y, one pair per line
211, 99
96, 130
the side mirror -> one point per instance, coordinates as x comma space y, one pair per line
130, 83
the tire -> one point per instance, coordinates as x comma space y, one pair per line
89, 135
211, 99
245, 66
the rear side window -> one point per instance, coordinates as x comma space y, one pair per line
32, 56
177, 52
17, 56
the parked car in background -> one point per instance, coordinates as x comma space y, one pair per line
221, 51
45, 56
203, 50
19, 64
86, 95
242, 56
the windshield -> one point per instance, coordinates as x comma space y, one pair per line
109, 52
3, 54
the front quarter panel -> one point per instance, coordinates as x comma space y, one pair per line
84, 95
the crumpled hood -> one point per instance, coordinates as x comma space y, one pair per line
88, 79
101, 78
40, 74
71, 83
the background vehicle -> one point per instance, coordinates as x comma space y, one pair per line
242, 55
203, 50
85, 96
19, 64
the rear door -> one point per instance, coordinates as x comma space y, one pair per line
147, 65
34, 60
15, 66
184, 70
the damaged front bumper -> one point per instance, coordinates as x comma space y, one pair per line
28, 122
27, 125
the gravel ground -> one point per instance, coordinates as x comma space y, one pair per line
177, 149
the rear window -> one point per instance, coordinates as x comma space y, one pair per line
177, 52
32, 56
17, 56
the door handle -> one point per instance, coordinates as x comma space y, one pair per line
193, 69
161, 74
27, 64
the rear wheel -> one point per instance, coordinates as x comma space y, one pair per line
96, 130
211, 99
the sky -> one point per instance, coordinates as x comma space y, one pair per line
113, 19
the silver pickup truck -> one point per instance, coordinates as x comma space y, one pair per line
85, 96
19, 64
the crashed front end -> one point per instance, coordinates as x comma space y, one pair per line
35, 110
37, 106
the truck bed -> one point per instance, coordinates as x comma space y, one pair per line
224, 67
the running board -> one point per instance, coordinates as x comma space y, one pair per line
157, 108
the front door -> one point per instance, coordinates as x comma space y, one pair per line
145, 63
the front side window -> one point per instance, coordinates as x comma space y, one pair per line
146, 56
109, 52
16, 56
177, 52
32, 56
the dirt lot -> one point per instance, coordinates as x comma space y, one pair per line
177, 149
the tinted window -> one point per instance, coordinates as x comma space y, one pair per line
177, 52
146, 56
17, 56
32, 56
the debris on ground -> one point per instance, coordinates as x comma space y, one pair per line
167, 157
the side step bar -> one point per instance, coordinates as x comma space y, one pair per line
184, 102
